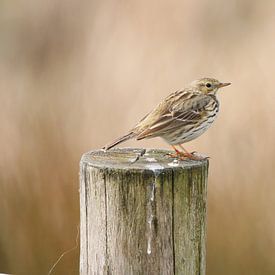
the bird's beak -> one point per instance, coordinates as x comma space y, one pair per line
224, 84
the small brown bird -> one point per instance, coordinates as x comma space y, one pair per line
181, 117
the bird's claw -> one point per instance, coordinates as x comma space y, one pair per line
185, 156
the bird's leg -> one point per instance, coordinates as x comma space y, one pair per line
183, 155
189, 155
178, 154
185, 151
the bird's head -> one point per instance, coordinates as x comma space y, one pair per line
208, 85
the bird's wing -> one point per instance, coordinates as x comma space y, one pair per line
187, 111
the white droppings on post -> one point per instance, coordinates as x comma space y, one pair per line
153, 192
174, 163
150, 235
155, 167
150, 213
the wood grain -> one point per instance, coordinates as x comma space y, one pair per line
142, 213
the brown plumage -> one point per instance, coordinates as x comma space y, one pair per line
181, 117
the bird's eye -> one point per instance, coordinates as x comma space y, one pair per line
208, 85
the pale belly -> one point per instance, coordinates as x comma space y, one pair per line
184, 135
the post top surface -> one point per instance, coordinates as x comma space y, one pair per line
137, 158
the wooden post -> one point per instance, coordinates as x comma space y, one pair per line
142, 213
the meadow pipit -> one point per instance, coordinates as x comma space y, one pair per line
182, 116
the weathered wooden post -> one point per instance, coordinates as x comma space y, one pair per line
142, 213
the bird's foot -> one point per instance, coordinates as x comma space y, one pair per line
185, 156
195, 156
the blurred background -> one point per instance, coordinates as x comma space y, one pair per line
75, 75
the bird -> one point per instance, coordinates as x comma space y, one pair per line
181, 117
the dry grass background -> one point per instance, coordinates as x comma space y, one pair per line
73, 76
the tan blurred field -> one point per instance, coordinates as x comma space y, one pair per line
74, 76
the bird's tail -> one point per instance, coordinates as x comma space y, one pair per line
119, 140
